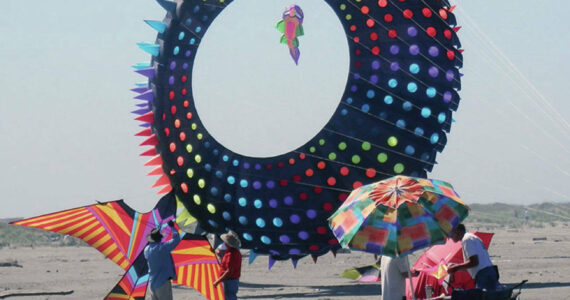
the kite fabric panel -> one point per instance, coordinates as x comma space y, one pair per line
133, 284
392, 119
119, 232
113, 228
370, 273
197, 266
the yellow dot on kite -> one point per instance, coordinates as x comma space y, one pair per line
392, 141
197, 200
201, 183
190, 173
211, 208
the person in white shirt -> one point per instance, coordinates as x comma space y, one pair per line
475, 260
393, 273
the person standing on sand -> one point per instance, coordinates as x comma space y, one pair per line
476, 260
394, 272
231, 266
160, 264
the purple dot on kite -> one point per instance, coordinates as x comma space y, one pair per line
394, 49
447, 97
311, 213
433, 71
375, 64
449, 75
294, 251
395, 66
284, 239
414, 49
433, 51
270, 184
374, 79
256, 185
295, 219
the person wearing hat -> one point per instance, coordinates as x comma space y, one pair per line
231, 265
160, 264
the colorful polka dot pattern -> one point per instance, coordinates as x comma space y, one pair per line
391, 119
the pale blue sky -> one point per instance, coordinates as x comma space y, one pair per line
68, 136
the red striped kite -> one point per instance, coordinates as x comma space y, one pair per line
119, 232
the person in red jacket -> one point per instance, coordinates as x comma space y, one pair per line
231, 265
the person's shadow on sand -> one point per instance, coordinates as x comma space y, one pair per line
318, 291
354, 290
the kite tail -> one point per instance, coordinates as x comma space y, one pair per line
295, 53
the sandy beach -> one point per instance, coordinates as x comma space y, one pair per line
540, 255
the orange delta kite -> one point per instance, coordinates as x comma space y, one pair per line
119, 232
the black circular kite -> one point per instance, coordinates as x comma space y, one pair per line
391, 119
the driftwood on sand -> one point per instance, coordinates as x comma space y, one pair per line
23, 294
10, 264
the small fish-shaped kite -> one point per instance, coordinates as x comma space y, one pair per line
292, 27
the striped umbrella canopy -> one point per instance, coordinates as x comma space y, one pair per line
398, 215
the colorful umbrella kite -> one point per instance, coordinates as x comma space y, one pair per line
397, 216
119, 232
391, 119
292, 27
